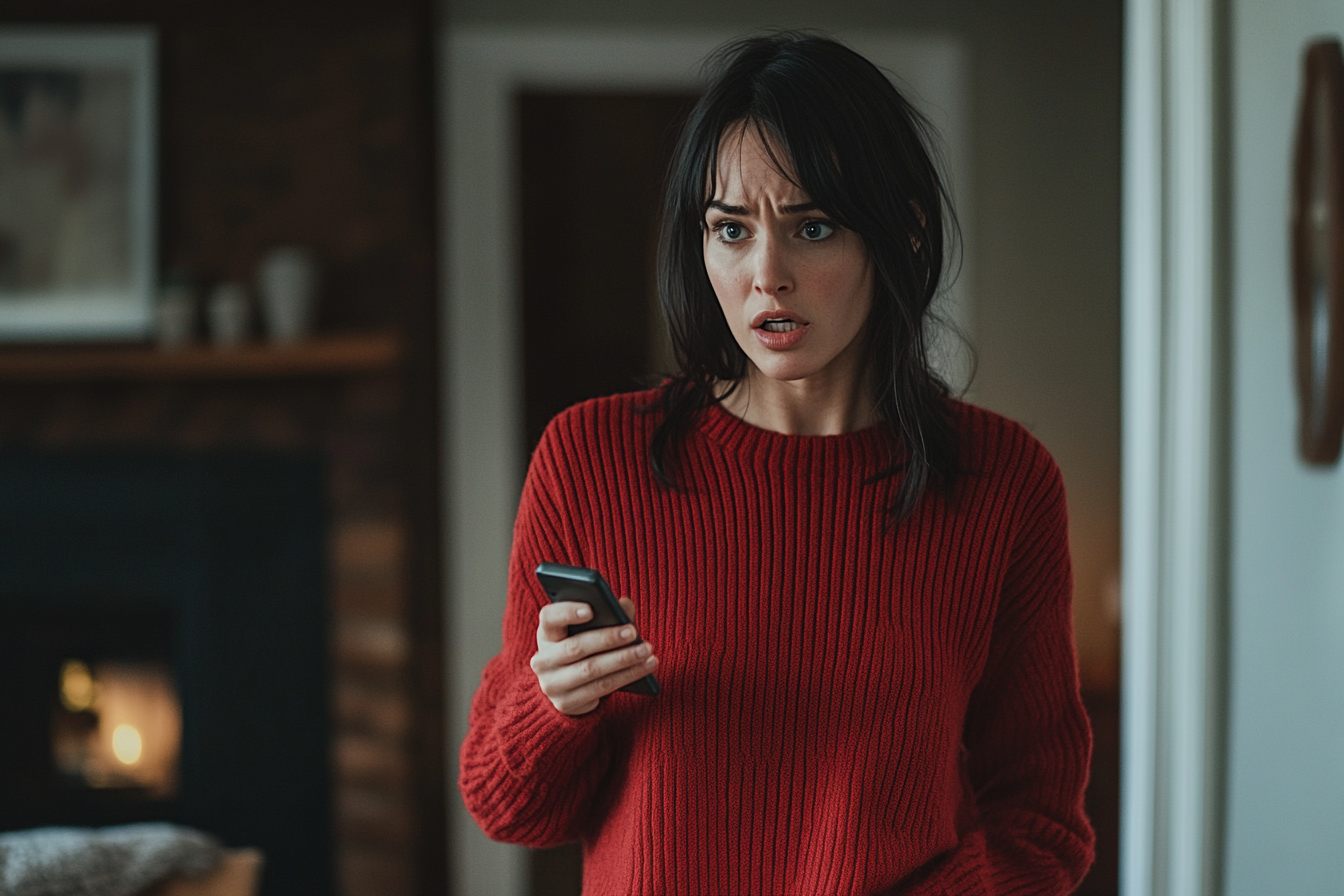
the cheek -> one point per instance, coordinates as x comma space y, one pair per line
863, 299
857, 277
850, 286
721, 278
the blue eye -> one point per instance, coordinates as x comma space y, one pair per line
731, 232
817, 230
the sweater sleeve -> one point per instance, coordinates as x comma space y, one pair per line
528, 772
1027, 739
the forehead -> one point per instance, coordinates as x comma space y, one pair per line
749, 166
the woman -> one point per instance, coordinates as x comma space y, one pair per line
854, 590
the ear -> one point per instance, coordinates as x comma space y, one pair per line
919, 213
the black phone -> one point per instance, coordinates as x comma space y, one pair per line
587, 586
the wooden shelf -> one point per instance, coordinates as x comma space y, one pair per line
319, 356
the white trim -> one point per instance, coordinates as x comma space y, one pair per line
1141, 289
1173, 479
482, 70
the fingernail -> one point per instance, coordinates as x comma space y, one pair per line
584, 611
651, 662
627, 633
643, 650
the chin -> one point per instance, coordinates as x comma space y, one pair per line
785, 370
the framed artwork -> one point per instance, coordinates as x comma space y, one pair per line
77, 183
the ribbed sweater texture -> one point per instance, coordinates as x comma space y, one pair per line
847, 707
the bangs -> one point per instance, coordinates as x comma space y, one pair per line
820, 160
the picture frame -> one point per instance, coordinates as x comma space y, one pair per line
78, 192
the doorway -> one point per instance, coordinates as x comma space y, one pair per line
591, 169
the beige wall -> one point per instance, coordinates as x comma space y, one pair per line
1045, 224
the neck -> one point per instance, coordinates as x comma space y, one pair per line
810, 407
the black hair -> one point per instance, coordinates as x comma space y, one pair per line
842, 132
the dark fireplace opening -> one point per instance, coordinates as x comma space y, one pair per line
93, 721
163, 649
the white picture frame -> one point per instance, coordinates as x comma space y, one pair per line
78, 197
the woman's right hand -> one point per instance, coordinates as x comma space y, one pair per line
575, 673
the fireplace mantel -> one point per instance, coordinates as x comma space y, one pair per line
332, 355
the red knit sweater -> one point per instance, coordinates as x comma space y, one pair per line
845, 708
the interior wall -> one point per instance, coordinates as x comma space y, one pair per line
1285, 779
1045, 138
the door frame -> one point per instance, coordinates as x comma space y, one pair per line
1176, 388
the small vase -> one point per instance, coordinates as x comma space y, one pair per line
287, 280
175, 316
228, 315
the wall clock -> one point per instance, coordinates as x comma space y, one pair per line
1318, 254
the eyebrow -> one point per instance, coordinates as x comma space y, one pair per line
742, 210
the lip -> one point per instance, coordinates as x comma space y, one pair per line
779, 342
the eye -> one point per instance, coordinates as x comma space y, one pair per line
730, 231
817, 230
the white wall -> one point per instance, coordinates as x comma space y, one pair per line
1285, 823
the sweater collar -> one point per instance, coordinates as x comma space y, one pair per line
866, 446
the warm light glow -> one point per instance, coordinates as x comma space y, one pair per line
78, 690
129, 733
126, 744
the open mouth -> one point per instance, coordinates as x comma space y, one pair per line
779, 329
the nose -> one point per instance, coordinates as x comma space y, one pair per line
773, 275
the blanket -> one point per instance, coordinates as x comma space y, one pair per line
116, 861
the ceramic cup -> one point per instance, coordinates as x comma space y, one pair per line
287, 281
175, 316
228, 315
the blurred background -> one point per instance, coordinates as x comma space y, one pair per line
261, 541
255, 523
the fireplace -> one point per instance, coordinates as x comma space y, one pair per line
163, 648
118, 724
103, 679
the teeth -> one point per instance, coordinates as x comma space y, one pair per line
780, 326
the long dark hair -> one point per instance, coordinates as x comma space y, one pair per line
845, 135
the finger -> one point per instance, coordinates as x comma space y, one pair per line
554, 620
572, 676
628, 606
576, 648
583, 699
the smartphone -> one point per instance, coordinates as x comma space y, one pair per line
587, 586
